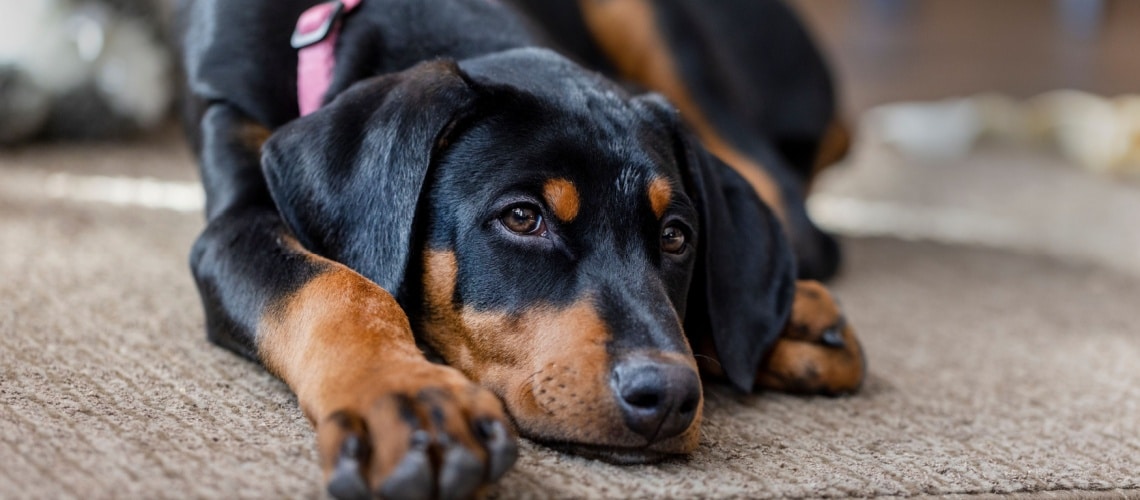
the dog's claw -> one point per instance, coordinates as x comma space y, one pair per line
348, 481
501, 447
833, 337
461, 472
355, 452
412, 478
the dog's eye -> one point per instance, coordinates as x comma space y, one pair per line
524, 219
673, 239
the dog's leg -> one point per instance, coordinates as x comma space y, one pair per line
387, 420
817, 353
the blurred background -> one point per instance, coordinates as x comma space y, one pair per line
1009, 124
988, 210
891, 50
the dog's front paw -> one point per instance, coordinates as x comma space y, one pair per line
817, 353
430, 433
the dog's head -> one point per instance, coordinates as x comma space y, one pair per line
558, 240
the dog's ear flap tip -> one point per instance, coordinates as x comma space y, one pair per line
742, 355
742, 380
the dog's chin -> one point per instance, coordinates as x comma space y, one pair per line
613, 454
627, 452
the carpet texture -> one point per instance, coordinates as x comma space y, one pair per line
990, 372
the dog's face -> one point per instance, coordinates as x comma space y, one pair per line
549, 235
560, 248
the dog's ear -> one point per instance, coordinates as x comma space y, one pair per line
744, 279
347, 178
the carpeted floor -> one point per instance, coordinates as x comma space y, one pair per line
990, 371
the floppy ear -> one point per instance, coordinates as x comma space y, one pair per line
347, 178
744, 279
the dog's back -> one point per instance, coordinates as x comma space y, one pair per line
238, 52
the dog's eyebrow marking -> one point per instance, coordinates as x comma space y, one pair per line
660, 194
562, 197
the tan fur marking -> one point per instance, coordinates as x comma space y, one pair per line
563, 199
813, 311
799, 362
660, 194
549, 365
253, 136
345, 347
331, 336
804, 367
833, 147
625, 31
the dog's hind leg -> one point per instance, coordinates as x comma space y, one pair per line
387, 420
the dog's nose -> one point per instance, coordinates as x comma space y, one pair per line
658, 398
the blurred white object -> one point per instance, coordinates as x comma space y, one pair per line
1002, 117
80, 68
135, 74
34, 37
940, 130
1098, 133
1095, 132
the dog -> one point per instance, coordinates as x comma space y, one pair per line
467, 235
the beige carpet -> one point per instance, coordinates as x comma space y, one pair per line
991, 372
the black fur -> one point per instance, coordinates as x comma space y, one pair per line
537, 113
746, 277
347, 179
754, 71
767, 90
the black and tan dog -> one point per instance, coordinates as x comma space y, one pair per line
567, 248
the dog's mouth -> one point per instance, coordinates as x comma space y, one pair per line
618, 455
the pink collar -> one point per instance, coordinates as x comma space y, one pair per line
315, 41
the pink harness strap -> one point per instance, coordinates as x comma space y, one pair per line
315, 41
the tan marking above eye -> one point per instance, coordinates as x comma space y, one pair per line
660, 194
562, 196
627, 34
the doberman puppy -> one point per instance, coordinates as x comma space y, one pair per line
566, 248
